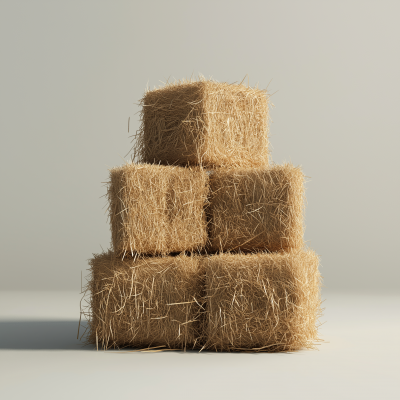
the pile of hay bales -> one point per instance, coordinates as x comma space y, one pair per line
207, 236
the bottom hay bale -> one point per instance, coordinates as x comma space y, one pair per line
147, 302
262, 302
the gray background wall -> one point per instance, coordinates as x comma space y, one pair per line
71, 72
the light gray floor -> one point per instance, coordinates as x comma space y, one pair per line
40, 358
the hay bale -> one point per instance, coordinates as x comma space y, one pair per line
155, 209
204, 122
256, 209
147, 302
262, 302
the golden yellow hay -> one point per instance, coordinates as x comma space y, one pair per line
204, 122
262, 302
148, 302
157, 209
256, 209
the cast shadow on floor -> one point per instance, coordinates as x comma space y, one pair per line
41, 335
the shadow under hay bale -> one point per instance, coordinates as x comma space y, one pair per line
262, 302
256, 209
147, 302
204, 122
156, 209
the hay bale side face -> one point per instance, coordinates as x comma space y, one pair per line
204, 122
257, 209
172, 125
137, 204
237, 120
145, 303
262, 302
157, 209
187, 198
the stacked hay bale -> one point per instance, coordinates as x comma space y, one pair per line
207, 237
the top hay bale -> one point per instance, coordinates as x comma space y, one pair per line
205, 123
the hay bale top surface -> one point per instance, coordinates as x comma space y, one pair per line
130, 167
184, 89
204, 122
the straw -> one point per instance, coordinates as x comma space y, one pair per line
256, 209
155, 209
262, 302
203, 122
145, 303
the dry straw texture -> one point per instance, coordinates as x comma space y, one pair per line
262, 302
157, 209
147, 302
256, 209
204, 122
